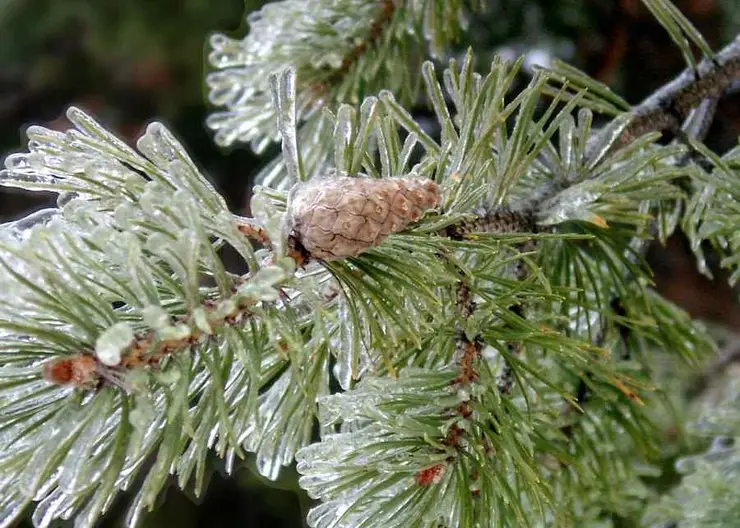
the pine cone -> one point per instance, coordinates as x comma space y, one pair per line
341, 217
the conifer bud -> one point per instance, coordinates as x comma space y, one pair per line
80, 370
336, 218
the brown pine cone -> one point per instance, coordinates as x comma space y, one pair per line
336, 218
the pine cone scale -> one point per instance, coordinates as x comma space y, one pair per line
342, 217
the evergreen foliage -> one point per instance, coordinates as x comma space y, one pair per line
706, 495
496, 363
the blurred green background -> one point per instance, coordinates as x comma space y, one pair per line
128, 62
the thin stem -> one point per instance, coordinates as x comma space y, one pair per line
500, 221
86, 371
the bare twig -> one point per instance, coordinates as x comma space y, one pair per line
668, 106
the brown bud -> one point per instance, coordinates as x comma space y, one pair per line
430, 475
336, 218
80, 370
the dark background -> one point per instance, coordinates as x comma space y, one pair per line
130, 61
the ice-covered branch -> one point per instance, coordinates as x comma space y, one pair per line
670, 105
118, 349
340, 49
408, 291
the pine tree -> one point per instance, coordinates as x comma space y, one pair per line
449, 327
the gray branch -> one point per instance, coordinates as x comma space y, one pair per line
667, 108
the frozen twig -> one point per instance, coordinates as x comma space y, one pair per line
670, 105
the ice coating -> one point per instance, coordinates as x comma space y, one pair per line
342, 217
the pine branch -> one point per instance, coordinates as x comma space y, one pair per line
498, 222
704, 497
354, 44
469, 230
684, 106
89, 370
412, 280
376, 31
670, 105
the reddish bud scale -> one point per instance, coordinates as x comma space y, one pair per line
342, 217
430, 475
80, 370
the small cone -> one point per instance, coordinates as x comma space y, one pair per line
342, 217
